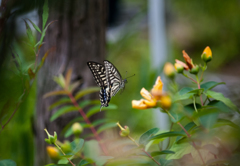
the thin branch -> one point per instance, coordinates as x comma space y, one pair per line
144, 150
188, 135
63, 153
88, 122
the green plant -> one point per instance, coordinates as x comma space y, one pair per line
198, 111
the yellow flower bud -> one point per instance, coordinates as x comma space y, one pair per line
169, 70
166, 102
207, 54
53, 152
179, 68
77, 128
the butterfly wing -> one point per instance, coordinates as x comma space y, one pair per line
104, 96
114, 78
99, 73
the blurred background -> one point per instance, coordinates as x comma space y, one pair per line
137, 36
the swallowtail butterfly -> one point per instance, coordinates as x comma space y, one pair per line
108, 78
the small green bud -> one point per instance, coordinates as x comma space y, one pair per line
66, 147
179, 68
194, 70
51, 139
77, 128
125, 132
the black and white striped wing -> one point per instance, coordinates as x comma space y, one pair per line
99, 73
104, 96
114, 78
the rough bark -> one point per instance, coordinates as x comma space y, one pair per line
78, 36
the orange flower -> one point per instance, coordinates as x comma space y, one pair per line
152, 99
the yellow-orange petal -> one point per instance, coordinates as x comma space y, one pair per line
150, 103
182, 64
139, 104
158, 84
187, 59
157, 94
147, 95
52, 152
165, 102
208, 52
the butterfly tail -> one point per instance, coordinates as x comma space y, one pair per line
101, 108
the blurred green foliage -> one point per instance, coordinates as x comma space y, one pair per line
192, 25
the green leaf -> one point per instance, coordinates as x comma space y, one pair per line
220, 105
29, 33
157, 153
145, 137
54, 93
85, 103
45, 13
63, 161
59, 102
86, 91
180, 150
7, 163
62, 111
96, 109
209, 85
207, 116
100, 121
185, 96
68, 132
43, 34
185, 90
35, 26
168, 134
165, 162
220, 97
224, 122
177, 112
83, 163
77, 145
59, 164
106, 126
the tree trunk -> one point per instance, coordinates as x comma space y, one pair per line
78, 36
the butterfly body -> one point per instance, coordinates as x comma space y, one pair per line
108, 78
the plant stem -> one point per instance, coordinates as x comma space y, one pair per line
144, 150
188, 135
16, 108
189, 77
198, 84
63, 153
194, 104
88, 122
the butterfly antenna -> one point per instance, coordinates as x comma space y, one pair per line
131, 76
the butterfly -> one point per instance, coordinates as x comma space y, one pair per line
108, 78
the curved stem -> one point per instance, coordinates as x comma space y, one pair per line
198, 84
63, 153
88, 122
144, 150
188, 135
194, 104
189, 77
